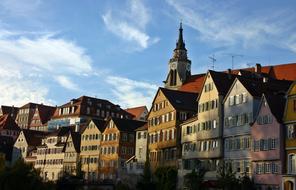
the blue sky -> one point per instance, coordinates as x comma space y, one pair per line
53, 51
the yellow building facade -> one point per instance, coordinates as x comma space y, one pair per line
289, 180
90, 149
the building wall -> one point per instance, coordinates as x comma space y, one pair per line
209, 125
290, 126
111, 149
50, 158
71, 157
272, 156
290, 112
159, 144
24, 117
141, 146
20, 147
90, 152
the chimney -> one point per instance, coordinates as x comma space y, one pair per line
258, 68
265, 79
229, 73
77, 128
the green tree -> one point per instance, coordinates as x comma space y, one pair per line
79, 172
122, 186
246, 183
226, 177
146, 182
166, 178
194, 180
22, 176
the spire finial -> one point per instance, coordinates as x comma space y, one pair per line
180, 43
181, 24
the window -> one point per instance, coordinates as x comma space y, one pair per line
231, 100
291, 132
292, 164
124, 137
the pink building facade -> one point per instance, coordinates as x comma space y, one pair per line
267, 152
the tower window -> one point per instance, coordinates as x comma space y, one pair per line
173, 77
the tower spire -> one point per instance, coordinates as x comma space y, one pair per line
180, 43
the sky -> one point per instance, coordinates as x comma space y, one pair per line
53, 51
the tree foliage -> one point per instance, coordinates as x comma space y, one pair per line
226, 177
22, 176
166, 178
246, 183
146, 180
194, 180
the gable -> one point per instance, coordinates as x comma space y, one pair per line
91, 128
292, 90
237, 88
208, 89
160, 105
21, 140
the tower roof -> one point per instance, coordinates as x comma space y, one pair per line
180, 45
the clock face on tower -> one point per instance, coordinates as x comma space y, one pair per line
173, 66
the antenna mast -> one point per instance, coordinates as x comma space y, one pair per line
212, 58
232, 58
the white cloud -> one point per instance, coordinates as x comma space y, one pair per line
130, 25
66, 83
130, 93
222, 23
18, 90
30, 61
46, 53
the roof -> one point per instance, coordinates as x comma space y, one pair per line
45, 113
193, 84
128, 125
143, 128
7, 122
256, 87
30, 105
6, 146
34, 138
80, 104
76, 139
223, 81
277, 105
99, 123
280, 71
62, 131
191, 119
9, 110
136, 111
181, 100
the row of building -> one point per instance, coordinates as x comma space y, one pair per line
88, 134
245, 118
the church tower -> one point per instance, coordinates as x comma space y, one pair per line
179, 65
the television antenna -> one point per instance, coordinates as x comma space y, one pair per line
233, 56
213, 59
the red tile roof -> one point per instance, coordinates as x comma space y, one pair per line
193, 84
136, 111
281, 72
7, 122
